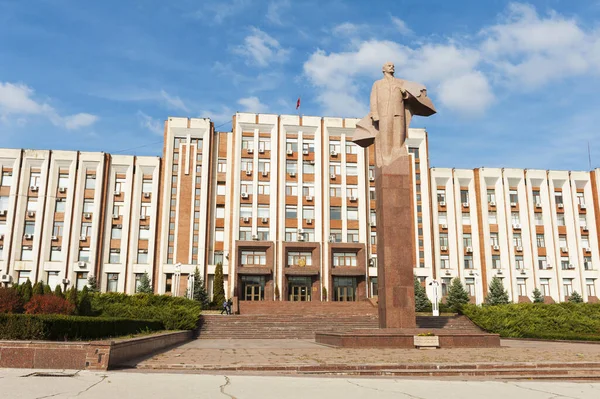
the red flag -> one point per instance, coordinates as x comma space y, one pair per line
298, 103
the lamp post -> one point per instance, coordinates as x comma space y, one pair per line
176, 279
478, 299
433, 292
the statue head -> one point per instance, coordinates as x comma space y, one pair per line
388, 67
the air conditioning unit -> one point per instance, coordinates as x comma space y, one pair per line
246, 219
588, 249
371, 178
308, 221
248, 173
62, 190
443, 248
115, 216
81, 264
442, 203
66, 281
3, 212
54, 238
6, 278
147, 195
447, 272
305, 152
523, 271
516, 226
254, 237
142, 217
331, 238
117, 193
292, 174
513, 204
585, 228
353, 199
309, 198
465, 204
538, 204
300, 231
581, 206
143, 251
261, 150
28, 236
571, 266
564, 249
311, 162
548, 266
34, 188
31, 214
87, 215
499, 271
469, 250
300, 237
560, 205
519, 248
333, 153
332, 176
250, 151
290, 152
492, 203
496, 247
82, 238
444, 227
265, 220
265, 173
244, 195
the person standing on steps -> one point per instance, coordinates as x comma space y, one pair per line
229, 305
225, 307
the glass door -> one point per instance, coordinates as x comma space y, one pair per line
253, 292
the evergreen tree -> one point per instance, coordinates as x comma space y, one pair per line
199, 291
497, 295
58, 292
218, 287
92, 284
575, 297
422, 303
38, 288
457, 295
47, 290
84, 306
26, 291
145, 286
72, 296
537, 296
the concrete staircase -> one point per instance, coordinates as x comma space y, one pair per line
300, 320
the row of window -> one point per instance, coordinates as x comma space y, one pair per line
298, 258
513, 197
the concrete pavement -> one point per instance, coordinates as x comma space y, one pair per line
25, 384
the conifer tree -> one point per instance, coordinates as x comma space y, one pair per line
58, 292
199, 291
84, 305
497, 295
218, 286
47, 290
72, 296
92, 284
575, 297
38, 288
537, 296
457, 295
422, 303
145, 286
26, 291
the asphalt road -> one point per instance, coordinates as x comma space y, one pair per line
24, 383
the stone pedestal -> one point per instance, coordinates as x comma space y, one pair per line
395, 244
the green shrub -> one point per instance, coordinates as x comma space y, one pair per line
176, 313
422, 303
59, 327
218, 286
457, 295
574, 321
497, 295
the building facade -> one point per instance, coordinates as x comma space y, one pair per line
287, 205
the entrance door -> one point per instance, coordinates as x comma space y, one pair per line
253, 292
345, 294
299, 293
344, 289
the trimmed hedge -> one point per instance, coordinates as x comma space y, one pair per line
175, 313
60, 327
568, 321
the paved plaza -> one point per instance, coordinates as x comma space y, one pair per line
25, 384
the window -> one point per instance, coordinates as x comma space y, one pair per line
442, 218
264, 189
308, 145
492, 218
142, 256
145, 210
585, 242
60, 206
144, 233
263, 233
291, 167
590, 287
560, 219
491, 195
23, 276
352, 236
467, 240
373, 238
218, 257
468, 262
517, 240
541, 243
542, 263
4, 203
88, 205
513, 196
246, 164
299, 259
344, 259
63, 180
568, 286
247, 142
263, 211
6, 179
291, 212
147, 186
444, 262
441, 195
308, 212
112, 282
53, 279
335, 168
245, 233
335, 235
220, 212
414, 151
522, 286
372, 195
582, 221
81, 280
515, 218
84, 254
246, 188
351, 169
537, 198
115, 233
519, 263
86, 229
291, 234
496, 262
580, 199
291, 190
564, 263
352, 213
464, 196
373, 217
335, 191
168, 282
562, 241
308, 167
254, 258
444, 240
90, 182
494, 239
470, 285
245, 211
539, 219
352, 191
264, 166
2, 227
119, 185
372, 173
558, 197
264, 144
26, 253
335, 146
335, 213
291, 145
445, 285
34, 179
29, 228
466, 218
545, 284
220, 188
351, 148
587, 263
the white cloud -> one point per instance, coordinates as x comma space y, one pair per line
275, 9
252, 104
153, 125
401, 26
133, 94
218, 116
174, 101
347, 29
17, 100
261, 49
218, 11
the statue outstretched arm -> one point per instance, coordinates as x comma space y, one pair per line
374, 112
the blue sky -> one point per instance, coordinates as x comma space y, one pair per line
515, 84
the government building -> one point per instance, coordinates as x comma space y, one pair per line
287, 205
